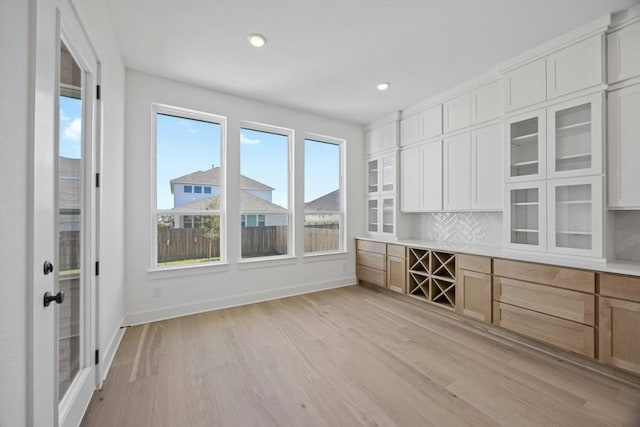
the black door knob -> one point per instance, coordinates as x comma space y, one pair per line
48, 267
49, 298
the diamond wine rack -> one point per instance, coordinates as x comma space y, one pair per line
432, 276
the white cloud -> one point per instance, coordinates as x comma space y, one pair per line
73, 130
246, 140
186, 125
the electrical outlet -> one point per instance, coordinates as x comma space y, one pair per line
155, 292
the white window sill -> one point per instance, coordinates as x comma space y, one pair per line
325, 256
186, 270
263, 262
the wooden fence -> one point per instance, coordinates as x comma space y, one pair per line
321, 237
178, 244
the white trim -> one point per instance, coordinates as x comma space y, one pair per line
382, 121
234, 301
107, 356
266, 261
77, 399
172, 271
325, 256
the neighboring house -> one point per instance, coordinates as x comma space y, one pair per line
323, 210
201, 191
69, 195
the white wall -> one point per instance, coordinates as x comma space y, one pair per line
205, 288
95, 19
14, 172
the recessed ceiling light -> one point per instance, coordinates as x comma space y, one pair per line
383, 86
256, 40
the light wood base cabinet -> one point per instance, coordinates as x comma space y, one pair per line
561, 333
396, 268
473, 294
371, 263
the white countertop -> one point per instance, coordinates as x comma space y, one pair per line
609, 266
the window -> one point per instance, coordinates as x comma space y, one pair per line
264, 191
189, 225
323, 205
207, 190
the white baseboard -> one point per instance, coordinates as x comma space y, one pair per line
234, 301
110, 353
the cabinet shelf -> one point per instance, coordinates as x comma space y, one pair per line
525, 230
574, 202
525, 204
432, 276
575, 232
575, 156
525, 137
526, 163
574, 126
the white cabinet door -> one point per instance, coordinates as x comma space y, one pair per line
576, 67
431, 122
410, 179
622, 50
624, 148
525, 216
372, 141
373, 215
457, 113
526, 85
388, 172
486, 102
410, 130
486, 168
525, 147
575, 216
373, 176
457, 172
575, 137
388, 214
431, 160
389, 136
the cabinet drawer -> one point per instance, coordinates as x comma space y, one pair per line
365, 245
551, 275
480, 264
395, 250
372, 275
561, 333
623, 287
371, 259
562, 303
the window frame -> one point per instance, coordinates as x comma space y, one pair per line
186, 113
342, 213
291, 232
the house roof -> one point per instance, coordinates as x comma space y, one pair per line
212, 177
248, 202
330, 202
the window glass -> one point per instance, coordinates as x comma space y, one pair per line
207, 190
187, 148
323, 215
264, 191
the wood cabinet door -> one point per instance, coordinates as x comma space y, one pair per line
473, 295
526, 85
620, 334
457, 172
486, 168
624, 147
396, 274
576, 67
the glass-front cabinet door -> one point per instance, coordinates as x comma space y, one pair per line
575, 137
526, 143
525, 222
575, 216
388, 173
372, 176
388, 214
373, 219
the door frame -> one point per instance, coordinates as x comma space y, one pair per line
55, 21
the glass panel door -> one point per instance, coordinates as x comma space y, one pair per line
573, 138
388, 204
70, 220
525, 222
372, 176
524, 147
372, 216
573, 216
388, 173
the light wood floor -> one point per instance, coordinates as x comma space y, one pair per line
345, 357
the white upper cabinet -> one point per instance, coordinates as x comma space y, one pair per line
457, 172
525, 217
624, 148
486, 168
622, 49
431, 120
574, 137
457, 113
486, 102
525, 147
576, 67
389, 136
388, 172
526, 85
410, 130
372, 141
421, 178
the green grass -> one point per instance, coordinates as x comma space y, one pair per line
187, 261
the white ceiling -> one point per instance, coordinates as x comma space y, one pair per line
325, 56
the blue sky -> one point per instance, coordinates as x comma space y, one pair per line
185, 146
70, 127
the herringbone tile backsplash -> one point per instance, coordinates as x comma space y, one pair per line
481, 228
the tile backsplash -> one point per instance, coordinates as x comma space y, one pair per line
627, 235
482, 228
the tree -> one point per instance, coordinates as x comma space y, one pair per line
211, 223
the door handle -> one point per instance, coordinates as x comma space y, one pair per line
49, 298
48, 267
